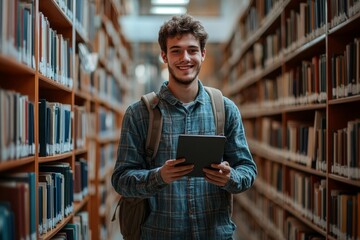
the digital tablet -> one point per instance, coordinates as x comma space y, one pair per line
200, 150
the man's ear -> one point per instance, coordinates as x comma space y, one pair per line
203, 54
163, 56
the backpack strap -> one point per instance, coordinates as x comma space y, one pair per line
152, 143
218, 108
155, 126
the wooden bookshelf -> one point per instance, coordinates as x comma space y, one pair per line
292, 67
46, 57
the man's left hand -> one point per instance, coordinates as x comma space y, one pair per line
218, 177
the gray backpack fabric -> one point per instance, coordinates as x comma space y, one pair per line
134, 211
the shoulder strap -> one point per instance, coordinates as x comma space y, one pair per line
218, 108
155, 125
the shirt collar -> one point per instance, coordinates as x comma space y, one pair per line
167, 95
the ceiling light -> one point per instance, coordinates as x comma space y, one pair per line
168, 10
169, 2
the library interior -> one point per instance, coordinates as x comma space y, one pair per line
69, 69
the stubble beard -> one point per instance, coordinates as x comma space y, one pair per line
182, 80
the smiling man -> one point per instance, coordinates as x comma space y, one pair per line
183, 207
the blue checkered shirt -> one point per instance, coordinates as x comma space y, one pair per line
189, 208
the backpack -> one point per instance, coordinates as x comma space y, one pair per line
134, 211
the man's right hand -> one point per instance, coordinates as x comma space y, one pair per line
170, 172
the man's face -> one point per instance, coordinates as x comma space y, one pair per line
184, 58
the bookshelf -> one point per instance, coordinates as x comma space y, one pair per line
293, 69
62, 97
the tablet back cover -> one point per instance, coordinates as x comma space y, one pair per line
200, 150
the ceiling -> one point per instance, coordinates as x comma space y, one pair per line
218, 17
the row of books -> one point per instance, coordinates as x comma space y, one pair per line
264, 8
17, 21
81, 126
107, 159
270, 178
305, 23
108, 87
305, 140
307, 195
340, 10
257, 15
302, 84
265, 210
107, 83
85, 18
55, 133
272, 218
55, 53
247, 227
345, 71
296, 230
272, 48
81, 179
17, 138
346, 153
110, 49
107, 123
306, 143
78, 230
306, 83
66, 7
344, 214
18, 206
56, 194
85, 65
303, 192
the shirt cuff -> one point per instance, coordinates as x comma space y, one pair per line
232, 185
159, 182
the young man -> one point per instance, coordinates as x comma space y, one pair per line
183, 207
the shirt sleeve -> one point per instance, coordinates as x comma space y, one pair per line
131, 176
237, 152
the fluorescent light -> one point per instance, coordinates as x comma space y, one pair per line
169, 2
168, 10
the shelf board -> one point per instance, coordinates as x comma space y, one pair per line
348, 26
48, 83
346, 180
305, 107
307, 49
79, 205
9, 164
55, 157
350, 99
10, 65
80, 151
57, 228
304, 220
56, 16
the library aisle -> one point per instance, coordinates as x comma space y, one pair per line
68, 72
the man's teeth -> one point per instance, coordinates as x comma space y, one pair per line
183, 68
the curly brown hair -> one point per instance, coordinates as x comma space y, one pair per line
179, 25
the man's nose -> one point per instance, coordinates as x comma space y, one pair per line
185, 56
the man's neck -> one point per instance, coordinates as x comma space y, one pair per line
185, 93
